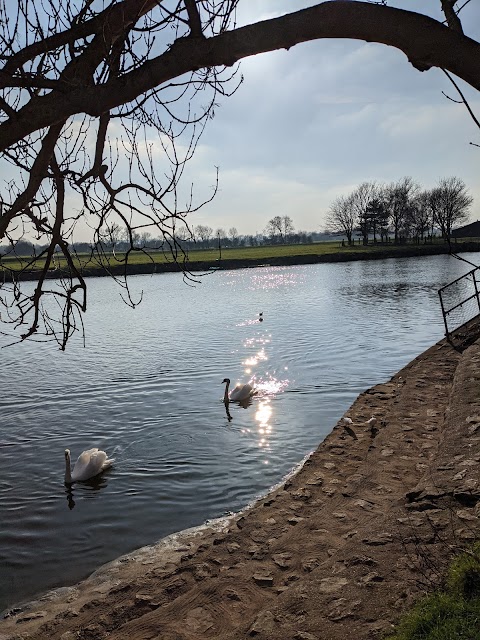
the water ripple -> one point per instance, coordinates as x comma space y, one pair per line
148, 389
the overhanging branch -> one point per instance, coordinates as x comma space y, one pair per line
426, 42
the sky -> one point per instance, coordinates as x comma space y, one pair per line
310, 124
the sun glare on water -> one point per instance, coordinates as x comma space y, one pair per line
267, 378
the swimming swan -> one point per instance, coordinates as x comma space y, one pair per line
89, 464
241, 392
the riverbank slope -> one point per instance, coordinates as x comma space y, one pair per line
337, 552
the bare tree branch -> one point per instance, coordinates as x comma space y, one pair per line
425, 41
102, 109
194, 19
462, 100
453, 21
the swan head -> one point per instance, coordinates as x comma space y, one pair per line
67, 454
227, 380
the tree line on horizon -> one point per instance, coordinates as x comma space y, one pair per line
400, 210
278, 230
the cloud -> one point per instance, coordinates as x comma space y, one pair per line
319, 119
253, 198
313, 122
425, 120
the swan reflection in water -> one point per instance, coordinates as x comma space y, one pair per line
86, 489
70, 500
229, 415
242, 403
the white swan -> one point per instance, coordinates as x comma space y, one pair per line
89, 464
241, 392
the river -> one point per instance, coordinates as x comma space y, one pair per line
148, 388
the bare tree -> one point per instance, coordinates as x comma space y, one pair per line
273, 229
342, 218
432, 201
279, 228
399, 197
113, 234
90, 92
146, 239
204, 233
360, 200
120, 164
287, 227
452, 204
183, 233
420, 214
376, 216
233, 235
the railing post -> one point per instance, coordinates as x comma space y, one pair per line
444, 316
476, 287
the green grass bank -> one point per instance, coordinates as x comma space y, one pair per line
139, 262
452, 612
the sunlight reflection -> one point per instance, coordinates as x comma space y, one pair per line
264, 413
274, 278
271, 386
256, 362
258, 357
263, 416
247, 323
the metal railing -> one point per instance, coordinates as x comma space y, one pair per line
460, 302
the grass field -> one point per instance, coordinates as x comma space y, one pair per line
197, 255
251, 255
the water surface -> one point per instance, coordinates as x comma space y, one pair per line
147, 388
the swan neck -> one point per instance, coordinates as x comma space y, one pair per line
68, 472
225, 396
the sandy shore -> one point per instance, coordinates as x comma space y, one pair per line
337, 552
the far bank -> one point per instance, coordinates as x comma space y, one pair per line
234, 258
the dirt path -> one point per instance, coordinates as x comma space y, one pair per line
336, 553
